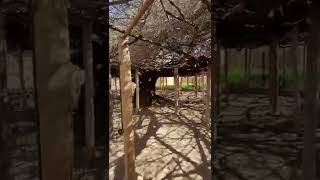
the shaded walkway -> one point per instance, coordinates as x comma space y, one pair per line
167, 146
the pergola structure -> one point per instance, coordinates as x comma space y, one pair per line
66, 62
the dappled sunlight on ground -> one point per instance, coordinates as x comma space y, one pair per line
167, 145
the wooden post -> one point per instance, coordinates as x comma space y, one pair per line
311, 85
249, 66
126, 108
274, 78
226, 71
176, 84
196, 85
246, 62
217, 74
180, 79
263, 69
137, 90
89, 87
166, 82
284, 65
4, 147
116, 83
208, 96
53, 72
22, 83
110, 101
187, 81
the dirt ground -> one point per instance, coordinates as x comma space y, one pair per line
167, 145
252, 143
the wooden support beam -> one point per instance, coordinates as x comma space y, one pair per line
311, 85
217, 76
207, 99
137, 90
126, 90
53, 76
226, 73
146, 4
176, 84
89, 88
274, 78
110, 120
4, 125
263, 58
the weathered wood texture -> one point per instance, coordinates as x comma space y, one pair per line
89, 87
126, 89
311, 85
53, 71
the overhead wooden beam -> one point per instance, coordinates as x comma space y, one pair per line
146, 4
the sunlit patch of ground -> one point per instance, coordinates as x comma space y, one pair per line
167, 145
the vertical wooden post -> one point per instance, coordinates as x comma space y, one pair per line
263, 69
284, 65
196, 85
89, 87
137, 90
204, 88
207, 99
249, 66
217, 74
166, 82
226, 71
116, 84
110, 101
180, 84
22, 83
53, 71
188, 81
4, 148
311, 85
126, 108
274, 78
246, 62
176, 84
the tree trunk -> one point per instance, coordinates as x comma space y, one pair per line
147, 88
137, 90
311, 85
226, 71
89, 88
4, 124
126, 108
176, 84
274, 79
54, 71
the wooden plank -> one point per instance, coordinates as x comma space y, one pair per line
126, 90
